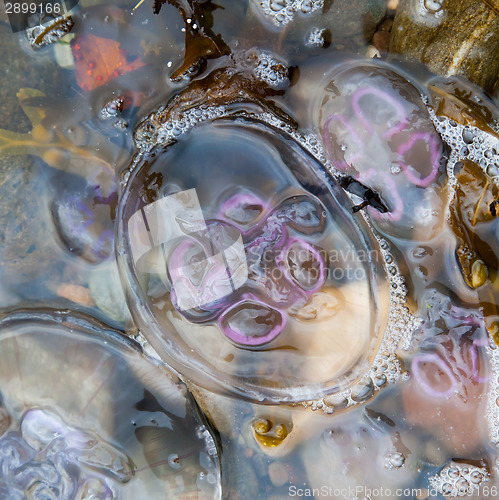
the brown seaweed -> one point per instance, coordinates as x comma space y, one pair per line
473, 224
48, 143
456, 102
224, 86
201, 43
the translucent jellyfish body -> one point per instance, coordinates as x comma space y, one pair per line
85, 415
375, 127
245, 268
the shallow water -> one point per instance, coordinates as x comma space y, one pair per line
334, 247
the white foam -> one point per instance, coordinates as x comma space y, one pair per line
460, 480
282, 12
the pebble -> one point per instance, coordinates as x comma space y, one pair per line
75, 293
278, 474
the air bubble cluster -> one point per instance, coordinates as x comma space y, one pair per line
274, 73
282, 12
493, 393
468, 143
459, 480
317, 37
152, 131
394, 460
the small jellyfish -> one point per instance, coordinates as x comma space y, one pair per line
449, 376
84, 220
376, 128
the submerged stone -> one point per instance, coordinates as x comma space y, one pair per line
457, 37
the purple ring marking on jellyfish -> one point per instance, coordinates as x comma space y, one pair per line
435, 158
280, 260
242, 339
398, 211
474, 359
238, 200
399, 108
342, 164
418, 375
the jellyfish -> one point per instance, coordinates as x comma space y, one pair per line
247, 272
374, 126
69, 431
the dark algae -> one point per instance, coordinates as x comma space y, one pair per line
201, 43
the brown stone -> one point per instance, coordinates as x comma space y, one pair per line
459, 38
381, 39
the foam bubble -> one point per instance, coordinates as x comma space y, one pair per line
282, 12
273, 72
467, 143
317, 37
459, 480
